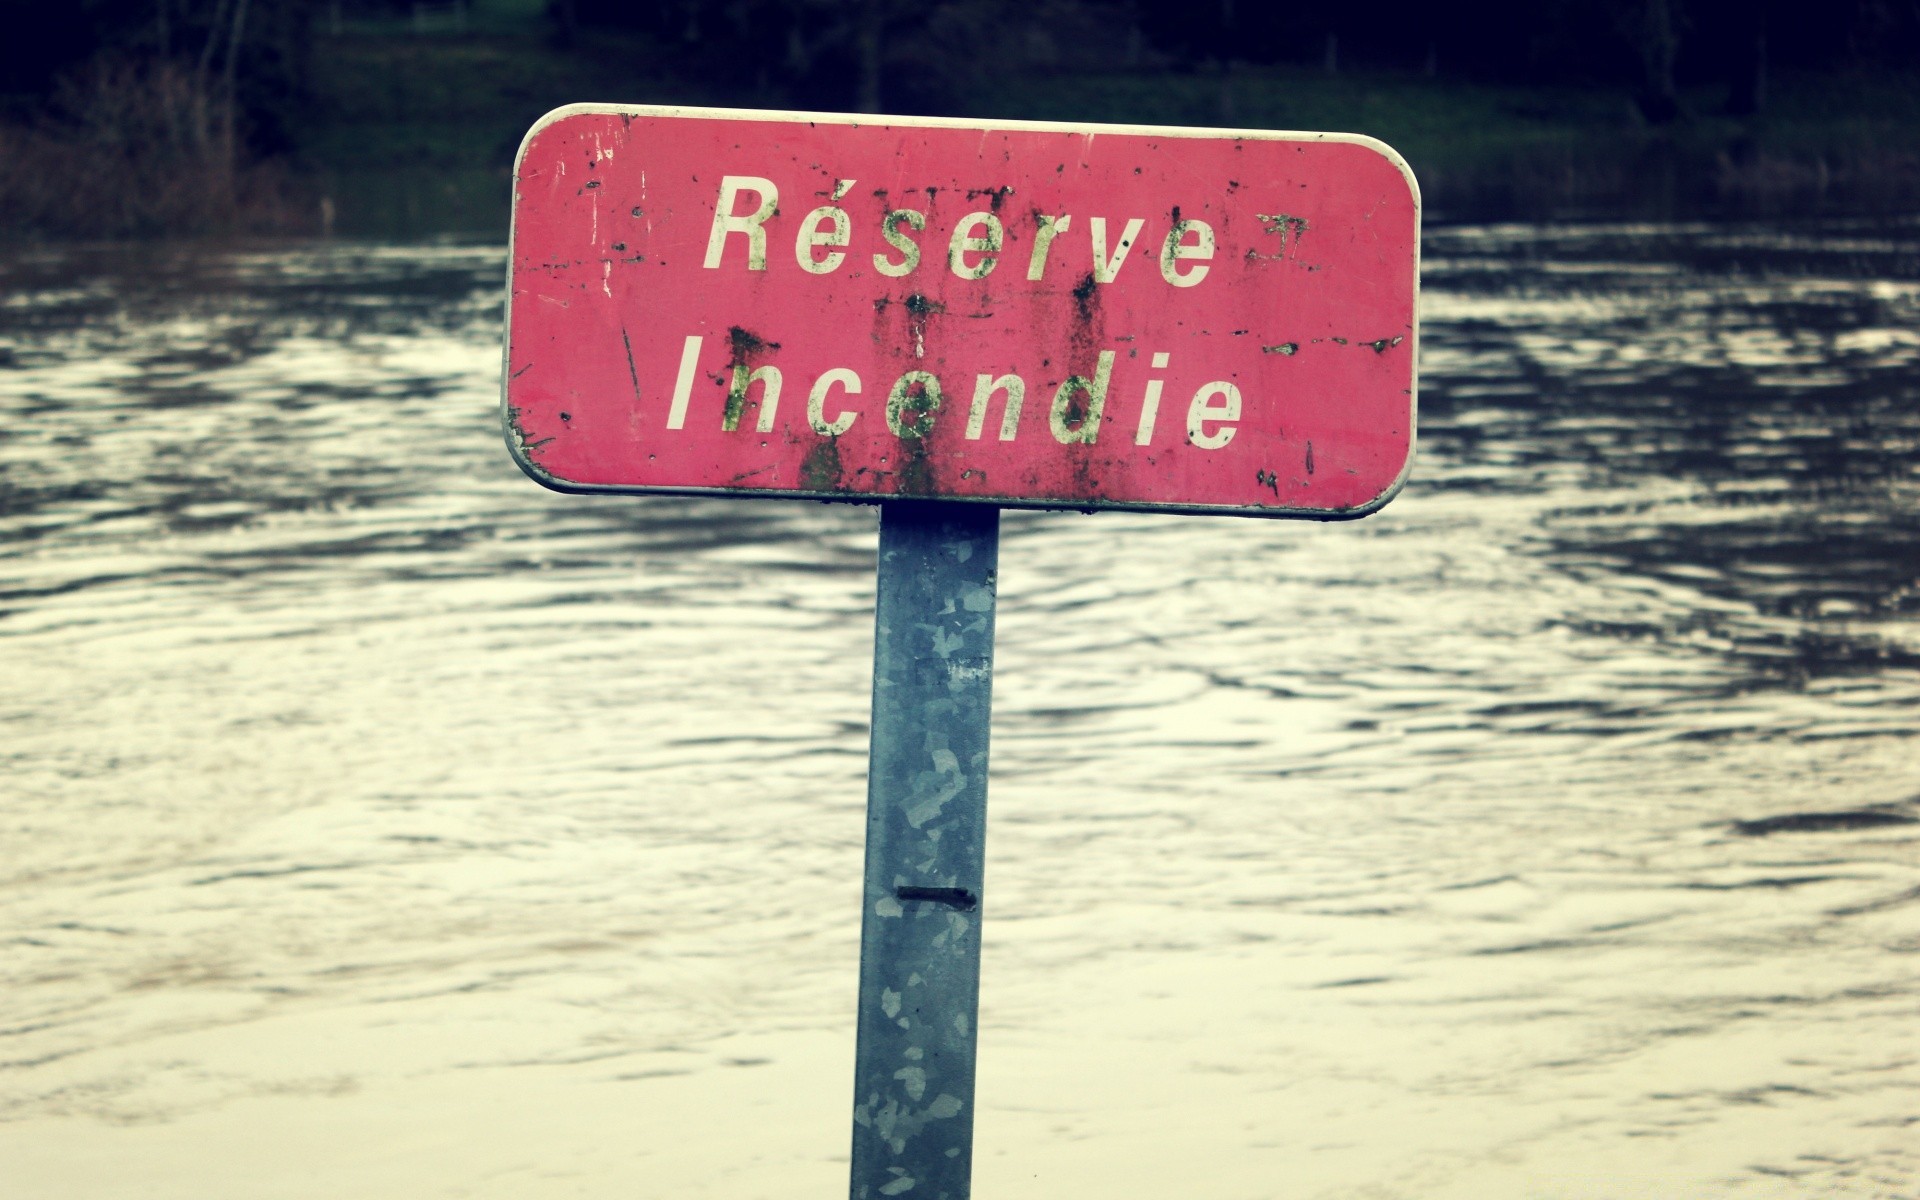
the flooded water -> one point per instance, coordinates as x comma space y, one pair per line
376, 824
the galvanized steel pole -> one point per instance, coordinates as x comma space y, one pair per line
926, 826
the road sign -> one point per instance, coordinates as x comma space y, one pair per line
1019, 314
929, 313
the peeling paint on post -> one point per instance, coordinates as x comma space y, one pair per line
926, 827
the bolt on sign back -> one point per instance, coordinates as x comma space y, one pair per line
1014, 313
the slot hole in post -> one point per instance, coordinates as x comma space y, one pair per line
959, 899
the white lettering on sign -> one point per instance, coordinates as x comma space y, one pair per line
817, 402
725, 222
909, 250
1150, 403
965, 242
1175, 249
769, 380
1075, 419
812, 237
1074, 416
916, 392
1105, 269
983, 389
974, 244
683, 383
1043, 236
1203, 412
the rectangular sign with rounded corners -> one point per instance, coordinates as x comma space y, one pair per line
1015, 313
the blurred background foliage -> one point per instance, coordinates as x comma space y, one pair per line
400, 117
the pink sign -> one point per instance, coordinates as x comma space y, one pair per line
1021, 314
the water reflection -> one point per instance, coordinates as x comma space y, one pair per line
379, 824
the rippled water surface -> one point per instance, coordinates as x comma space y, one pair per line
376, 824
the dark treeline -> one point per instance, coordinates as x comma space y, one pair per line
840, 54
191, 113
244, 61
912, 53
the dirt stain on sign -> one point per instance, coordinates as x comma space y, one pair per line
745, 343
820, 470
1083, 299
744, 346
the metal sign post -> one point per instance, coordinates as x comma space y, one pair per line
926, 841
946, 318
